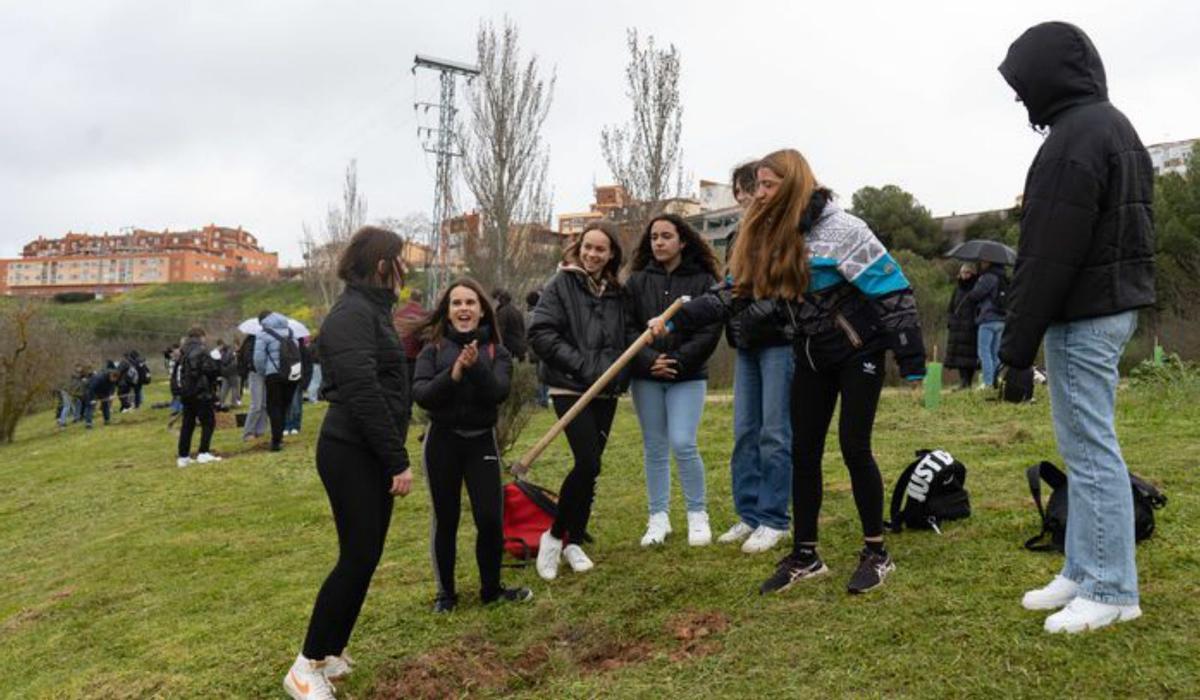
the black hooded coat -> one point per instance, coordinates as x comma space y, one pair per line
1087, 235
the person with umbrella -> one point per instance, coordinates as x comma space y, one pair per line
271, 363
987, 296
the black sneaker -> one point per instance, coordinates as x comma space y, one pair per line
791, 569
872, 570
510, 595
445, 604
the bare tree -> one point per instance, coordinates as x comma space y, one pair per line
323, 247
36, 355
644, 154
505, 160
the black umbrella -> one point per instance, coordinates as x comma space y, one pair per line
979, 249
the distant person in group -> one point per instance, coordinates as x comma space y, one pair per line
462, 375
256, 415
542, 393
100, 390
360, 452
196, 375
962, 352
276, 373
231, 379
128, 384
670, 376
172, 361
71, 396
313, 391
511, 323
847, 302
412, 313
578, 331
1085, 265
988, 297
295, 411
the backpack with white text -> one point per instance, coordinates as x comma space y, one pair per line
930, 490
290, 365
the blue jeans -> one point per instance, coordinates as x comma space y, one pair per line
989, 349
669, 413
89, 409
314, 386
295, 411
70, 411
761, 464
1081, 365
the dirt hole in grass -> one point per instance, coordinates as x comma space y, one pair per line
470, 664
696, 632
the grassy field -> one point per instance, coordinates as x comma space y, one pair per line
123, 576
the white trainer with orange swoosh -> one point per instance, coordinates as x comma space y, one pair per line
306, 680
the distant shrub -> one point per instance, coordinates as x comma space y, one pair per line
74, 297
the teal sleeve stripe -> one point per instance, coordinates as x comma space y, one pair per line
882, 277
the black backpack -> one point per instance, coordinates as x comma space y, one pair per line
290, 365
935, 486
1146, 499
191, 374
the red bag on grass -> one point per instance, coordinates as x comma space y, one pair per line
529, 510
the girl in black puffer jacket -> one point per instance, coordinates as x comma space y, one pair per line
462, 375
577, 331
669, 383
962, 342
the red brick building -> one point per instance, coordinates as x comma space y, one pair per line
81, 262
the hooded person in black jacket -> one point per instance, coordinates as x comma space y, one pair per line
669, 376
196, 377
463, 373
1085, 264
361, 456
962, 341
578, 331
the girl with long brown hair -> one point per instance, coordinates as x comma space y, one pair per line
577, 331
463, 373
847, 302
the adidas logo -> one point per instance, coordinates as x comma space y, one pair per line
869, 368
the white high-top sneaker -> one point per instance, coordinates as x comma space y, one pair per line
579, 561
337, 667
1082, 615
737, 533
1061, 591
550, 550
699, 533
306, 680
657, 530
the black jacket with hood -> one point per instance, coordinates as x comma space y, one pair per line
1087, 234
365, 376
577, 331
651, 290
469, 404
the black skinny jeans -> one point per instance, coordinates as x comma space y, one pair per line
587, 435
357, 486
196, 410
450, 460
279, 397
858, 381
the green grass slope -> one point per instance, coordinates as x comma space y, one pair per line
124, 576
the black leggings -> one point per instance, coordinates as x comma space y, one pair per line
279, 397
451, 459
587, 435
196, 410
858, 381
357, 486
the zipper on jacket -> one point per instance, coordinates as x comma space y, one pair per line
848, 329
808, 352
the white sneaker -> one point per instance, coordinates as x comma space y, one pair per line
1082, 614
306, 680
735, 534
206, 457
1061, 591
338, 666
183, 462
699, 533
657, 529
550, 550
577, 559
763, 539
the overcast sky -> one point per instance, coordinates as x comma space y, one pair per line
176, 114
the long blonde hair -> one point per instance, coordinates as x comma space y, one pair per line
770, 258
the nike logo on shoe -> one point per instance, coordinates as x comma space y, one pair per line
302, 687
